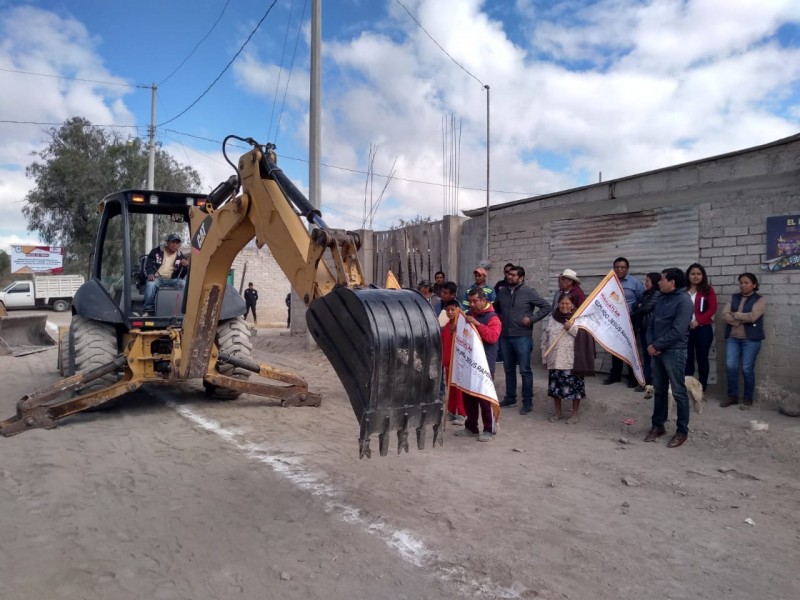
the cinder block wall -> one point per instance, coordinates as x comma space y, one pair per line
267, 278
733, 195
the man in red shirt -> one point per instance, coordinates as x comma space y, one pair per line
481, 314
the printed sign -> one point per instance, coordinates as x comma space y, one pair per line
44, 260
470, 369
783, 243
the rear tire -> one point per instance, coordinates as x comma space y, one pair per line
233, 337
60, 305
64, 357
95, 344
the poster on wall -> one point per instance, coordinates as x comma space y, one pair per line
783, 243
43, 260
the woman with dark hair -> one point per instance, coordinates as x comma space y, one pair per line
641, 318
744, 330
701, 329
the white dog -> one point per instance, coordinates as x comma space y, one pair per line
693, 387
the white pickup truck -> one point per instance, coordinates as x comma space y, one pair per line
43, 290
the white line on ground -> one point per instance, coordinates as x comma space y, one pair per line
406, 543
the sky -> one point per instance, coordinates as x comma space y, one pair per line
576, 88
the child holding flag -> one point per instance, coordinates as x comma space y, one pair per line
455, 397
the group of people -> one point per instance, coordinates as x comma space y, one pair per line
673, 316
672, 313
504, 316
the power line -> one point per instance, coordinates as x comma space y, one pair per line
213, 83
362, 172
127, 85
291, 69
197, 45
462, 67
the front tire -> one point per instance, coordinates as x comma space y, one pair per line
94, 344
233, 337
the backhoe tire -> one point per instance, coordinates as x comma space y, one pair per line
233, 337
95, 345
64, 361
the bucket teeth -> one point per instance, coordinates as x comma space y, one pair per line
436, 435
383, 438
363, 448
402, 435
421, 430
402, 441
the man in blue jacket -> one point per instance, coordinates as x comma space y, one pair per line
667, 338
518, 307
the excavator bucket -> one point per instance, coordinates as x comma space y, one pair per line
24, 334
386, 347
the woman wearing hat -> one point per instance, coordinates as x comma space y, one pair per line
568, 283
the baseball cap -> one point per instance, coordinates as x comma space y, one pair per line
173, 237
479, 271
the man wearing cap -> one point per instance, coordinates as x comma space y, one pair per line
480, 283
165, 265
568, 283
518, 307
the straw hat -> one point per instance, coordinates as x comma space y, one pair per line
570, 274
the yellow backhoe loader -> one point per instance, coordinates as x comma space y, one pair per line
384, 345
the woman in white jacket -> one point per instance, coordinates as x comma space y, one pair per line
570, 359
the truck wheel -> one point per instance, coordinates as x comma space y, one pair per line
233, 337
60, 305
95, 345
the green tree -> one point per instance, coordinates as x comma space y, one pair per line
79, 167
416, 220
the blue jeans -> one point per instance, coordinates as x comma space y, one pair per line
517, 353
747, 352
668, 368
150, 291
700, 339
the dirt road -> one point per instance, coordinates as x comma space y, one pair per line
171, 495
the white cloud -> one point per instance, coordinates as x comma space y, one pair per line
618, 86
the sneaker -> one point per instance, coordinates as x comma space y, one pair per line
525, 409
466, 433
505, 403
459, 420
639, 388
729, 401
486, 436
746, 404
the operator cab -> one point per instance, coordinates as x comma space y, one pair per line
122, 251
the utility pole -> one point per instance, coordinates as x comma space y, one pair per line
315, 127
486, 87
151, 169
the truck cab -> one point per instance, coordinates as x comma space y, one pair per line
18, 294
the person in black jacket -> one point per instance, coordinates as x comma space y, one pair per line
518, 307
668, 338
641, 319
165, 265
250, 299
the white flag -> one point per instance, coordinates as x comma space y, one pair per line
604, 314
469, 369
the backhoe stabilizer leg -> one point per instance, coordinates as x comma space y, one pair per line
289, 395
42, 408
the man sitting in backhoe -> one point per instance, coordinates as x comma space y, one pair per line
165, 265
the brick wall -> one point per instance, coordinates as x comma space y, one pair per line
733, 195
259, 266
